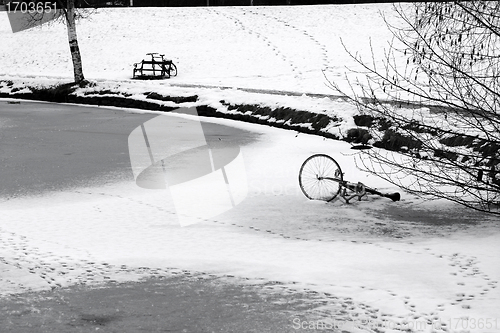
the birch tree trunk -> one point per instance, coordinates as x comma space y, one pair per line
73, 42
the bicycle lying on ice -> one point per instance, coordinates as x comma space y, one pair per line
321, 178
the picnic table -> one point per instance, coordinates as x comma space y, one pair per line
156, 68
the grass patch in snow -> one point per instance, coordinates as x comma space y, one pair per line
91, 93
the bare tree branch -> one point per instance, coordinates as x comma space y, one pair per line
435, 100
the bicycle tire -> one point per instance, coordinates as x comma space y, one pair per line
316, 177
173, 70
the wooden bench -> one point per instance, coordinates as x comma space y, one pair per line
156, 68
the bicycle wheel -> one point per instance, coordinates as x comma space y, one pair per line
173, 70
320, 177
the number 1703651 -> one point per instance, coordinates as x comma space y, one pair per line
31, 7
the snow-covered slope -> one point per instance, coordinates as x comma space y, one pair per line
279, 48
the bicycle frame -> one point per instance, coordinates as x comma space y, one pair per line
319, 167
359, 190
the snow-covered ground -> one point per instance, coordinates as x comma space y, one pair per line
276, 48
242, 55
119, 231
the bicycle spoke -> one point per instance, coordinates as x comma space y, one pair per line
320, 177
